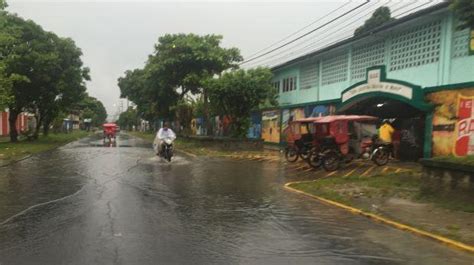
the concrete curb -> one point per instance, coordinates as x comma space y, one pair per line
11, 162
377, 218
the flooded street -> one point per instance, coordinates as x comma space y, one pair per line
88, 204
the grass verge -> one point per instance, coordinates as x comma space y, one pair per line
13, 151
404, 185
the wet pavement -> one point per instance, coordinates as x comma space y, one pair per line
89, 204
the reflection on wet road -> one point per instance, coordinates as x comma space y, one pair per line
89, 204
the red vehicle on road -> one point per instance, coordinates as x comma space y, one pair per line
110, 130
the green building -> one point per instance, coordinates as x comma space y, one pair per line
417, 71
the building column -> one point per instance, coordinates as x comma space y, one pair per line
428, 139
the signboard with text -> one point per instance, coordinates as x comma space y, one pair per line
375, 84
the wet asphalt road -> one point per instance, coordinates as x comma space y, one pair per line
88, 204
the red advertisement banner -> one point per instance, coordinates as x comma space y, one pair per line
464, 133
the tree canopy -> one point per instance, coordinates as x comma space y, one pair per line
39, 71
128, 119
464, 10
91, 108
380, 16
176, 69
235, 94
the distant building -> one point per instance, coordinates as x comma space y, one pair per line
21, 123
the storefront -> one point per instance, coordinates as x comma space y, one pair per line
398, 102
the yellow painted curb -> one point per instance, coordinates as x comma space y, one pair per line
416, 231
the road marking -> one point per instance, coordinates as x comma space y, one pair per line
350, 172
332, 173
367, 171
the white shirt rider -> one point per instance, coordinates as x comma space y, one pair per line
164, 133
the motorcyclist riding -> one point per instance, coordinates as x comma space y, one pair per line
163, 133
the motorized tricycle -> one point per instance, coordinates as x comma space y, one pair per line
109, 130
300, 139
345, 137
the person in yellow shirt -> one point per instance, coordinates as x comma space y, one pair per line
386, 132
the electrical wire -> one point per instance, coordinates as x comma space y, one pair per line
300, 30
306, 34
322, 35
270, 60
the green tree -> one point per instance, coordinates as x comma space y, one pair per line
42, 73
464, 10
237, 93
128, 119
380, 16
3, 4
182, 61
67, 85
91, 108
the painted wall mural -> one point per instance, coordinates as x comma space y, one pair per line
255, 130
453, 129
289, 115
271, 126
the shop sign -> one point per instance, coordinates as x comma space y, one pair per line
464, 132
374, 84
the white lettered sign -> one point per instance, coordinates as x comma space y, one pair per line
375, 85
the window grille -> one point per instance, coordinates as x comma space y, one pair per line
309, 75
417, 46
460, 45
334, 68
365, 56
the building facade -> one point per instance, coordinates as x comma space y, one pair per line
417, 71
21, 123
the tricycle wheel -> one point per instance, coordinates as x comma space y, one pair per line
330, 160
305, 154
314, 159
291, 154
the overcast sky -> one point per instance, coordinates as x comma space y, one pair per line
118, 35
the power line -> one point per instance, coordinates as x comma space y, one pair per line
319, 47
326, 31
269, 59
298, 31
306, 34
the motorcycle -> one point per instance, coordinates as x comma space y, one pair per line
167, 150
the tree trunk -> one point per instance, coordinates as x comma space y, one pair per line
37, 127
207, 119
46, 125
12, 120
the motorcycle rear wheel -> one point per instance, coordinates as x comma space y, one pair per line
381, 157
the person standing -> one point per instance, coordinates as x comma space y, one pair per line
386, 132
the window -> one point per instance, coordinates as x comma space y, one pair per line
309, 75
276, 85
289, 84
417, 46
